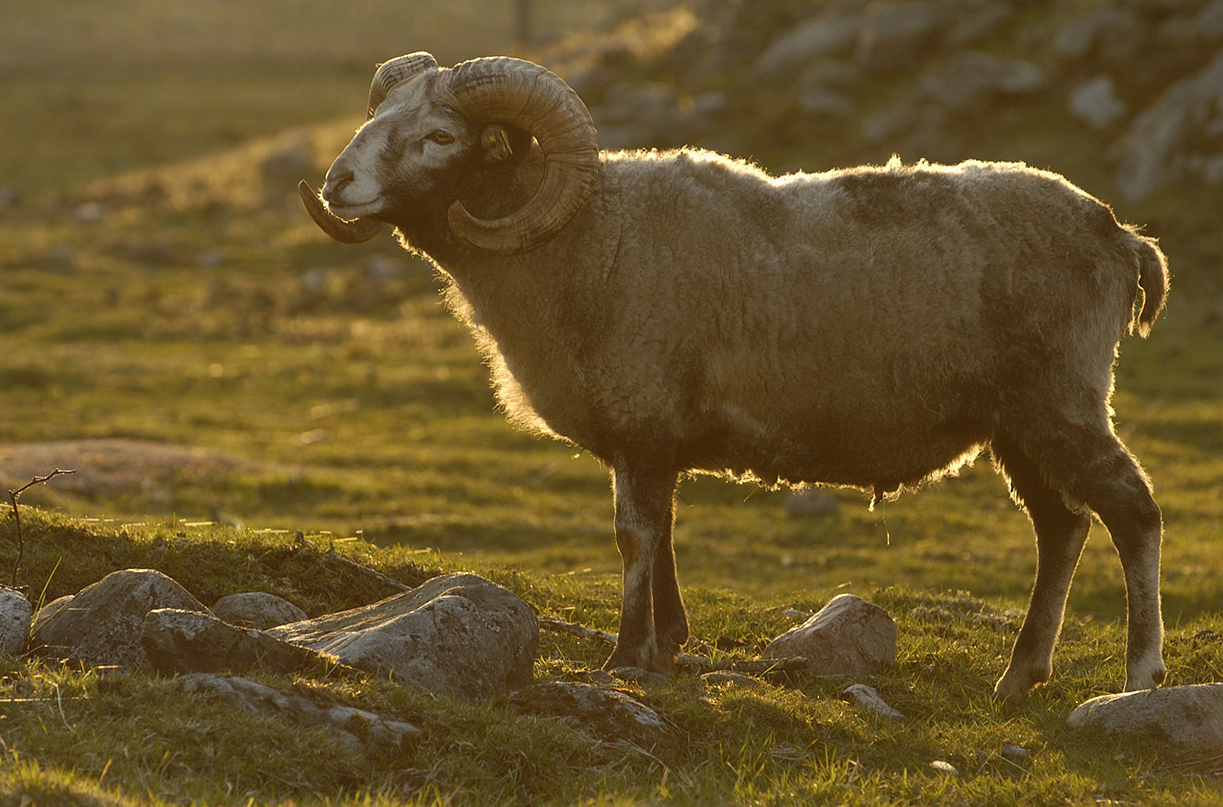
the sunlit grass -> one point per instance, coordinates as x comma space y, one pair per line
159, 285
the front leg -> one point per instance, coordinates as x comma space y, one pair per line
652, 619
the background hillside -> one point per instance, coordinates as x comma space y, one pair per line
220, 374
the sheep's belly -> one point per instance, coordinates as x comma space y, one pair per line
881, 459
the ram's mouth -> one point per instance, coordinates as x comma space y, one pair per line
346, 224
353, 210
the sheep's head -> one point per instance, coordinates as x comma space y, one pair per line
423, 121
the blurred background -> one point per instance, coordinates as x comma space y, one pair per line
174, 327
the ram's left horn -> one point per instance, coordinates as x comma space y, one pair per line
343, 230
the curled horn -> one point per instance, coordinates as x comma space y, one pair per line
530, 97
395, 72
388, 75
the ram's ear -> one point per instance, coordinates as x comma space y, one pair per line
495, 140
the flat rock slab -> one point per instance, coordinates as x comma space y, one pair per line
456, 634
177, 641
1184, 719
356, 728
602, 713
848, 636
100, 625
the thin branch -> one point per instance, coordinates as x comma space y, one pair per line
12, 497
699, 663
300, 540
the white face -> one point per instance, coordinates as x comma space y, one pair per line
410, 141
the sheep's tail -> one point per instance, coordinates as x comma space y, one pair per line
1152, 279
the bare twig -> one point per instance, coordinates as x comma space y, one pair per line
12, 497
300, 540
699, 663
573, 629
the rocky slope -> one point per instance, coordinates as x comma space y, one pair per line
1123, 96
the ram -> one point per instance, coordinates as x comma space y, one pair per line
683, 312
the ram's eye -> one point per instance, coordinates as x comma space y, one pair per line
442, 138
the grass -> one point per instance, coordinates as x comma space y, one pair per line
159, 286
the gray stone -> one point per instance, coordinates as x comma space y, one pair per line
970, 78
1180, 719
456, 634
1157, 150
897, 35
1095, 102
976, 22
1108, 32
178, 641
356, 728
1206, 26
848, 636
100, 625
869, 698
257, 609
819, 37
605, 714
14, 621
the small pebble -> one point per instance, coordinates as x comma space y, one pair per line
942, 766
1014, 753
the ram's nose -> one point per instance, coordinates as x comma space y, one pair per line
336, 181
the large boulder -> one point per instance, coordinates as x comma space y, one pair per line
848, 636
14, 621
1180, 720
457, 634
1176, 137
100, 625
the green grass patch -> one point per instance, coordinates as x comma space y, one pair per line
174, 327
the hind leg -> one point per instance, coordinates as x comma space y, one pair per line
1060, 535
1083, 459
1120, 494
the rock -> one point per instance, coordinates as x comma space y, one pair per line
976, 22
100, 625
820, 37
848, 636
870, 699
356, 728
1014, 753
812, 502
14, 621
456, 634
178, 641
944, 767
896, 36
970, 78
283, 166
1157, 150
1179, 719
1095, 102
1108, 32
1206, 26
606, 714
257, 609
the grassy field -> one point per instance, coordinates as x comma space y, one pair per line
161, 291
